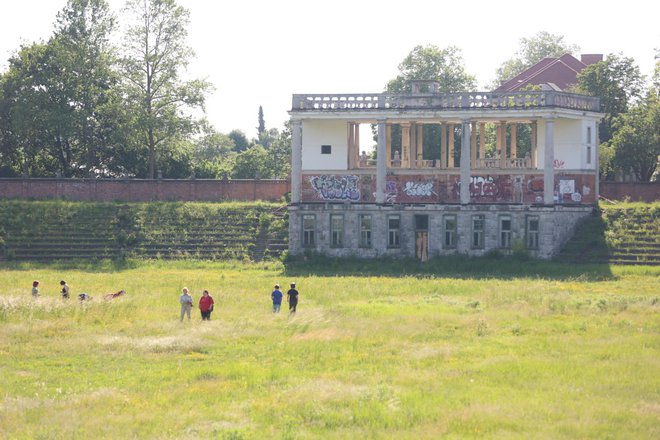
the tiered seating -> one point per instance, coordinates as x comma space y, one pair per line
63, 230
621, 235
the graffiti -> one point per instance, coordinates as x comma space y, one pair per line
586, 190
419, 189
390, 192
336, 187
576, 197
558, 164
566, 186
535, 184
483, 187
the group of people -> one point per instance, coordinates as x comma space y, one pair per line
65, 292
206, 302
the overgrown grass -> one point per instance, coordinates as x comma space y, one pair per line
421, 352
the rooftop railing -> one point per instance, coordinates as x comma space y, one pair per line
445, 101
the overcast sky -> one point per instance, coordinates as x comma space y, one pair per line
261, 52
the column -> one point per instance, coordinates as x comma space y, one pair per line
356, 136
381, 168
450, 150
296, 160
473, 145
443, 146
534, 135
502, 147
465, 162
388, 145
597, 160
405, 145
549, 162
482, 142
420, 144
514, 140
351, 146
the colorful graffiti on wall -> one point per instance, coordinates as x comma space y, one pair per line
497, 188
332, 187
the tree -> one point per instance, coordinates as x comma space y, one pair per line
241, 142
636, 141
252, 163
279, 153
155, 55
617, 81
531, 51
430, 62
57, 95
262, 123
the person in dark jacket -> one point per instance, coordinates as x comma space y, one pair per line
206, 305
292, 298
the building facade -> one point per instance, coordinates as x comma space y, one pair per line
451, 173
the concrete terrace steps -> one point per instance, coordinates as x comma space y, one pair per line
147, 231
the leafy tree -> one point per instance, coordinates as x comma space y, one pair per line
57, 95
431, 62
617, 81
262, 123
252, 163
279, 153
241, 142
155, 55
531, 51
636, 141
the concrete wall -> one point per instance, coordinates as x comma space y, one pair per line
138, 190
317, 133
556, 227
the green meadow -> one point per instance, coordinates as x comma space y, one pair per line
471, 349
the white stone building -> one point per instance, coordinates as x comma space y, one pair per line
432, 187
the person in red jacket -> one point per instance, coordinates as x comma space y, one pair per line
206, 305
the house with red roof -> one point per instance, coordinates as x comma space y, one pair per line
556, 74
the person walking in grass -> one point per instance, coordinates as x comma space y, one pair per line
186, 303
276, 296
206, 305
35, 289
65, 289
292, 298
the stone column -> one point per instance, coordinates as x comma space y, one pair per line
420, 144
388, 146
296, 160
482, 142
473, 145
381, 168
465, 162
535, 162
502, 147
443, 146
405, 145
450, 150
514, 140
549, 162
351, 146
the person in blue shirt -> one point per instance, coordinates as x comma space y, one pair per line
277, 299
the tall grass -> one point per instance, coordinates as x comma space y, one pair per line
422, 353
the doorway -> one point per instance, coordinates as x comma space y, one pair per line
422, 237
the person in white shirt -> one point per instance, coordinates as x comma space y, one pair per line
186, 303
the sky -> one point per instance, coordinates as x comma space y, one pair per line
262, 52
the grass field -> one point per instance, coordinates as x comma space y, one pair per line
505, 349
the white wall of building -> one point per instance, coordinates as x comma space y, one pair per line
316, 133
570, 144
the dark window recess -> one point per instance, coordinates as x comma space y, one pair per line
421, 222
326, 149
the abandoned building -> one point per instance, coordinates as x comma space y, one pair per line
461, 173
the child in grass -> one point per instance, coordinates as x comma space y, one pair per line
186, 303
276, 296
292, 297
35, 289
65, 289
206, 305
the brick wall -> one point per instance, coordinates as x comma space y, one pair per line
644, 192
138, 190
